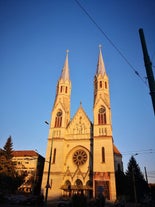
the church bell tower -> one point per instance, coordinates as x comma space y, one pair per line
103, 157
60, 118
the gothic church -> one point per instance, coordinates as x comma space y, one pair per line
81, 155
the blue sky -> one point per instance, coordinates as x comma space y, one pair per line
33, 41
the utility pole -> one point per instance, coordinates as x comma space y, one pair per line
148, 67
49, 171
48, 175
146, 175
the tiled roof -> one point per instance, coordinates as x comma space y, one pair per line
24, 153
116, 151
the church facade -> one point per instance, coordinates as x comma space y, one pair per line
81, 155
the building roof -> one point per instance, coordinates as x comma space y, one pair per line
116, 151
24, 153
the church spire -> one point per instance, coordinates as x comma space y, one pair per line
63, 93
100, 65
65, 70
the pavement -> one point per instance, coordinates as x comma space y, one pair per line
55, 204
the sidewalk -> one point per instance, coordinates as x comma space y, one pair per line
55, 204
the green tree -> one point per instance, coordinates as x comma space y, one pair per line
8, 148
136, 185
120, 183
9, 179
6, 163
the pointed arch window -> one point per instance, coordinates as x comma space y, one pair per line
103, 154
102, 115
66, 89
100, 84
68, 185
105, 85
78, 183
54, 155
58, 119
61, 89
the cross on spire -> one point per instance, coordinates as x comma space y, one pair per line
100, 46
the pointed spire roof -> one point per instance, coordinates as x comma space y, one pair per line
100, 65
65, 70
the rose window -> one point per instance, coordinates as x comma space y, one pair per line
79, 157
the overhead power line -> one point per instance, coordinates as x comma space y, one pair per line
145, 151
110, 41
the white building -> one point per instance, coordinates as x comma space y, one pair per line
31, 164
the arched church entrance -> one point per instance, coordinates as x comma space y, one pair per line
69, 189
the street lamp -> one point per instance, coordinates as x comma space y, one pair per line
49, 169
